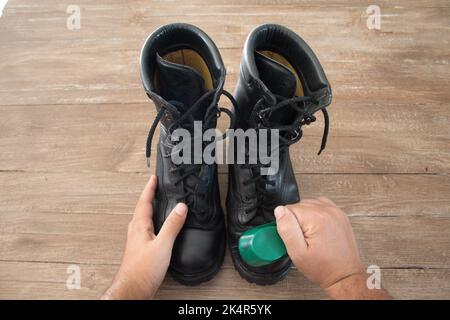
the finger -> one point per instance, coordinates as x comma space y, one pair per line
173, 224
290, 232
144, 210
149, 191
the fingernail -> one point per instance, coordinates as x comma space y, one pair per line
279, 212
181, 209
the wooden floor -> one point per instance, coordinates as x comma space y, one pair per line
74, 119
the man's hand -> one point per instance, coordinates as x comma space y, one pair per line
320, 241
147, 256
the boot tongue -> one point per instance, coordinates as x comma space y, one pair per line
277, 78
280, 81
182, 84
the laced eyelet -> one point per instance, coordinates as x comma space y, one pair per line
170, 111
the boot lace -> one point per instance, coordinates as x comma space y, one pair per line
190, 171
288, 135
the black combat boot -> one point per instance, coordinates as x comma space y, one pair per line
183, 73
281, 86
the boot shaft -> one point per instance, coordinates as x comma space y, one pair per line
276, 61
179, 64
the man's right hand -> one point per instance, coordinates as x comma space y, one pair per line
320, 241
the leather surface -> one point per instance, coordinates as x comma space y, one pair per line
196, 250
277, 78
192, 59
280, 39
179, 83
174, 37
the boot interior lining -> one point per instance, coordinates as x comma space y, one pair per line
283, 61
191, 58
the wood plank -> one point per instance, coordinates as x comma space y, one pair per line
70, 74
361, 64
50, 4
118, 20
390, 242
112, 138
48, 281
117, 193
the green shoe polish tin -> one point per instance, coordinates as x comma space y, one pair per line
261, 245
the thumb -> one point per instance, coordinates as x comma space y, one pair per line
290, 232
173, 224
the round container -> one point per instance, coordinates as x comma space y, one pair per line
261, 245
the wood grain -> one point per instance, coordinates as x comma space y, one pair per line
413, 242
113, 137
88, 192
386, 65
30, 279
74, 120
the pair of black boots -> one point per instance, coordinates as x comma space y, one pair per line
281, 86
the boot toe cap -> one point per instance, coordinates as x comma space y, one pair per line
197, 251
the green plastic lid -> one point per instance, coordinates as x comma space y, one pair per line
261, 245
